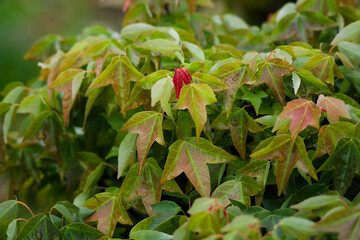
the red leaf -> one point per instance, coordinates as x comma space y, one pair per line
181, 76
333, 107
302, 113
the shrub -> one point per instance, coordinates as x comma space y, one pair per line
255, 135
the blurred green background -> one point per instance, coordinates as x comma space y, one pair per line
22, 22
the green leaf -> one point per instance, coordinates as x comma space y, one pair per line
309, 83
109, 210
233, 22
350, 33
162, 46
321, 66
195, 97
68, 210
39, 225
345, 162
289, 153
298, 228
203, 223
255, 99
126, 153
94, 177
43, 44
148, 125
196, 52
161, 91
351, 51
78, 230
14, 95
233, 75
317, 202
215, 83
271, 72
345, 221
239, 190
191, 158
133, 31
7, 122
147, 185
240, 124
242, 223
330, 134
149, 80
36, 125
118, 73
150, 234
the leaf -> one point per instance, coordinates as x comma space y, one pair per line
126, 153
150, 234
334, 108
148, 125
289, 153
109, 210
317, 202
147, 185
242, 223
321, 66
40, 46
181, 77
240, 124
345, 162
271, 72
133, 31
329, 135
191, 158
215, 83
39, 225
345, 221
238, 189
67, 209
79, 230
118, 73
233, 75
8, 120
196, 52
351, 51
350, 33
303, 113
68, 82
195, 97
162, 46
161, 91
204, 223
255, 99
36, 125
149, 80
298, 228
310, 84
296, 82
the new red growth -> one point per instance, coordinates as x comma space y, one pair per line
181, 76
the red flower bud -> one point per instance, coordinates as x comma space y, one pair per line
181, 76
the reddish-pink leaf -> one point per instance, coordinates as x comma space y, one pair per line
333, 107
182, 76
302, 113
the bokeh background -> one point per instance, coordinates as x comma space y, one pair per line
22, 22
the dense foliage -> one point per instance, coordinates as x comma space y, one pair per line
255, 135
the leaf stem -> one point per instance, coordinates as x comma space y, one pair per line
26, 207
